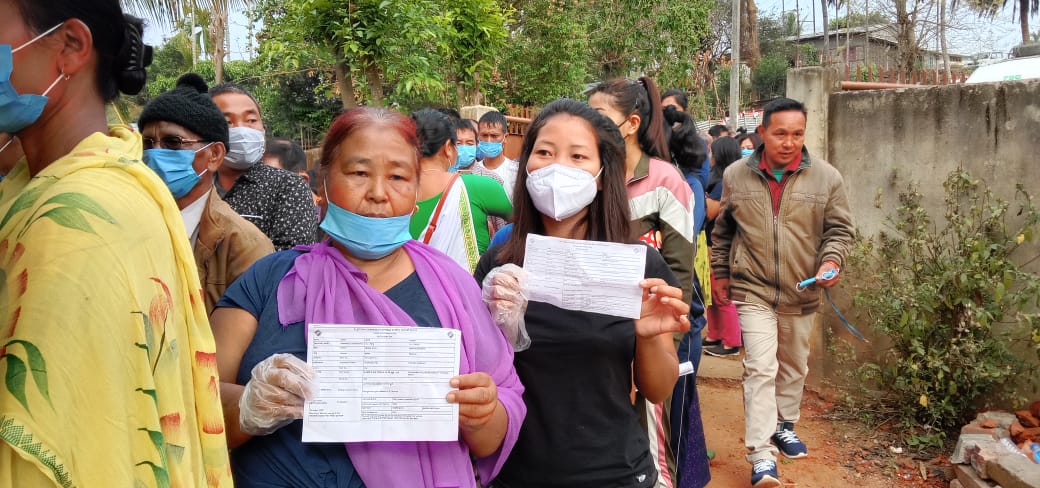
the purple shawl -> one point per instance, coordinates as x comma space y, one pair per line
323, 287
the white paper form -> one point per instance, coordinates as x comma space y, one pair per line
598, 277
382, 383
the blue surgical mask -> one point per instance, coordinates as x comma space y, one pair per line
486, 149
467, 155
746, 152
366, 237
19, 111
175, 167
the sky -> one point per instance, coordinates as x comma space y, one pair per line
966, 33
974, 35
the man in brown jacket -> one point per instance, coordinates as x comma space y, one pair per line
784, 217
185, 137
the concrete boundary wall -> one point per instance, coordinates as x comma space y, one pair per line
882, 140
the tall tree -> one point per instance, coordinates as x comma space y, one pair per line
171, 11
548, 55
906, 23
632, 37
399, 51
477, 34
826, 32
749, 48
1024, 8
942, 39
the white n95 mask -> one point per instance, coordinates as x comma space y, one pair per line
560, 191
245, 147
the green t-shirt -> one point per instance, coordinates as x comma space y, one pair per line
779, 174
486, 197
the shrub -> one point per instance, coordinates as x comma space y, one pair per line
952, 301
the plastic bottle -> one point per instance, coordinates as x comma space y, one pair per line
1036, 452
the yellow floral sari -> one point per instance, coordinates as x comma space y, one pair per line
105, 349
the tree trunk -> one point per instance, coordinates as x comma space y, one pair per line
848, 31
217, 33
375, 84
194, 47
826, 35
798, 32
749, 51
866, 35
475, 96
906, 44
942, 39
461, 95
1023, 19
345, 82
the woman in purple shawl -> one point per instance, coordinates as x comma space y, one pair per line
372, 273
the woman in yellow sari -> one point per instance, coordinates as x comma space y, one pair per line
108, 360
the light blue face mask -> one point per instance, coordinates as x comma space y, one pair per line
365, 237
487, 149
19, 111
746, 152
175, 167
467, 155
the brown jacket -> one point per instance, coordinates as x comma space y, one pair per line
226, 246
766, 255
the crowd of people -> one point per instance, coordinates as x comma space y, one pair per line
159, 282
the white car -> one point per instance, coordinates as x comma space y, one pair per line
1008, 70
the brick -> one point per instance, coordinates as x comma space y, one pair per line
968, 478
1003, 419
964, 442
1034, 408
1027, 418
1016, 429
977, 428
1030, 434
1014, 472
983, 452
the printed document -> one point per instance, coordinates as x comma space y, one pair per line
382, 383
598, 277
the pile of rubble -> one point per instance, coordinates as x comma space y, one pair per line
999, 449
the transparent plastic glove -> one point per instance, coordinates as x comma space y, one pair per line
274, 396
505, 292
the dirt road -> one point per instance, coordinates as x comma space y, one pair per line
829, 463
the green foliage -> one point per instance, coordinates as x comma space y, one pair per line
719, 97
773, 39
547, 56
412, 49
770, 77
952, 301
477, 34
556, 47
633, 37
299, 105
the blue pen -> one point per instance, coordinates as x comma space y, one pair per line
829, 274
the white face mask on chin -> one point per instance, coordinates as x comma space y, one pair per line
245, 147
560, 191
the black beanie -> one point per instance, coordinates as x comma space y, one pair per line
190, 106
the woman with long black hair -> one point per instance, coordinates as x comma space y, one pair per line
582, 429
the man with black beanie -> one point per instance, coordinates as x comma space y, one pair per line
185, 137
